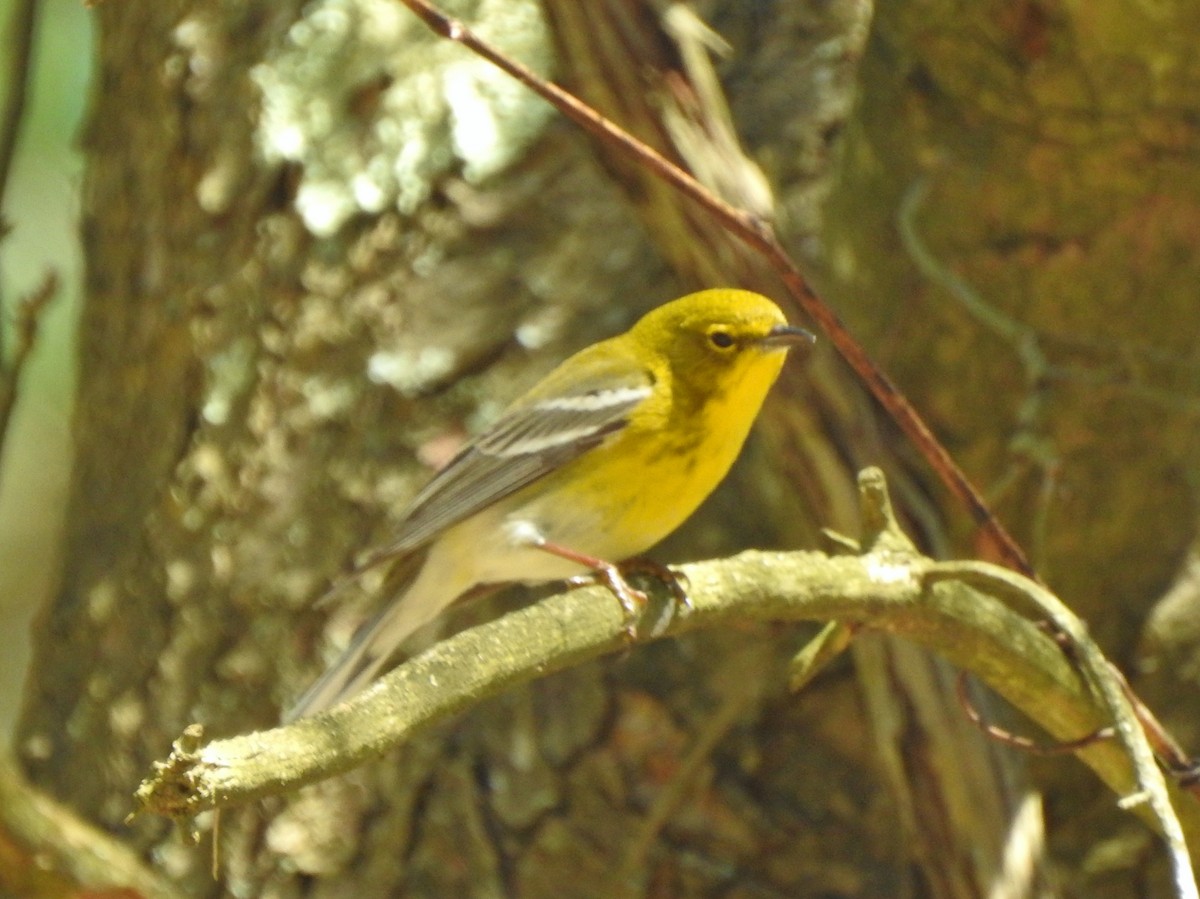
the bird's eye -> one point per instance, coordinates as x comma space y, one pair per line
722, 340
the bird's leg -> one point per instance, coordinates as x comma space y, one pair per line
676, 581
632, 600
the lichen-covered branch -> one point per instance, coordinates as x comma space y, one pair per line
888, 587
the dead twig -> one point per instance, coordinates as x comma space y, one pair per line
27, 320
20, 64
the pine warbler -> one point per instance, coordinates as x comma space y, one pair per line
604, 457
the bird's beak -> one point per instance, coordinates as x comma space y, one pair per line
785, 336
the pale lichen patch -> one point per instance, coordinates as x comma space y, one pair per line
411, 371
362, 97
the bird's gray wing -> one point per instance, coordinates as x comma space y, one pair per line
527, 443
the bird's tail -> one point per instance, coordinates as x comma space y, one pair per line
373, 644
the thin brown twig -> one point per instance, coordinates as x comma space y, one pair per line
20, 43
1018, 741
28, 318
758, 234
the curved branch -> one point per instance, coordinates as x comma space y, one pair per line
963, 610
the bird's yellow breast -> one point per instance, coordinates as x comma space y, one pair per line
641, 485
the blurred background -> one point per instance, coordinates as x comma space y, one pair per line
41, 209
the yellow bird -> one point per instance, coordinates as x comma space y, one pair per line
600, 460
